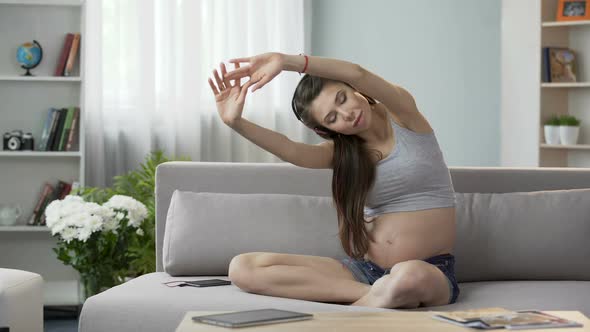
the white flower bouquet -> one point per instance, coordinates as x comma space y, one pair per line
94, 238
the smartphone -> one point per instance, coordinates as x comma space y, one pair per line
207, 283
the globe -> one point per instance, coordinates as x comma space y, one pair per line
29, 55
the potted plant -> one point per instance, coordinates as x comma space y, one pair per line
569, 129
551, 129
95, 239
135, 245
139, 184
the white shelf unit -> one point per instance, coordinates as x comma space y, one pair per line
24, 229
566, 147
40, 78
24, 103
15, 154
527, 102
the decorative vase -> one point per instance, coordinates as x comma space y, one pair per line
91, 285
569, 134
551, 134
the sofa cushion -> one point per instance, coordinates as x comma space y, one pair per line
145, 304
204, 231
540, 235
521, 295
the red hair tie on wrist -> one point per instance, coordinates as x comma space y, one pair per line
306, 63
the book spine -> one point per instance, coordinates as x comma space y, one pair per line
73, 130
54, 195
59, 130
63, 57
54, 123
58, 190
66, 191
44, 202
46, 191
46, 129
546, 66
41, 217
72, 56
66, 130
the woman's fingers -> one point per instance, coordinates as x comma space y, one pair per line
237, 81
238, 73
213, 87
260, 83
246, 59
244, 91
224, 76
218, 80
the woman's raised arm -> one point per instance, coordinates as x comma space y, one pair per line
230, 97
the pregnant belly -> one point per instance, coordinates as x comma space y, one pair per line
404, 236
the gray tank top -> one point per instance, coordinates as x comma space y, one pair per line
414, 176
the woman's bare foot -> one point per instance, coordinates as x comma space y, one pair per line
381, 294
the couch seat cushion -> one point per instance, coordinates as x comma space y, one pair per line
522, 295
145, 304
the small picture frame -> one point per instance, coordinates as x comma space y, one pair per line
562, 65
573, 10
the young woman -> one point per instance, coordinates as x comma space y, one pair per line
391, 186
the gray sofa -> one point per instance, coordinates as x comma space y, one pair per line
516, 247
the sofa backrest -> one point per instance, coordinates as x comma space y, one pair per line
283, 178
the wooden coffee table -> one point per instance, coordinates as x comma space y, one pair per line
397, 321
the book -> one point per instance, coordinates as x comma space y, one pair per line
66, 191
562, 64
66, 129
546, 69
498, 318
35, 217
41, 216
63, 189
46, 129
63, 56
59, 129
72, 56
73, 134
52, 131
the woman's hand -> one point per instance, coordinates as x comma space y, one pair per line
229, 96
262, 69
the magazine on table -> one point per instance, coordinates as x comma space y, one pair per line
500, 318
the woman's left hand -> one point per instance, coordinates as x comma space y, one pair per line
261, 69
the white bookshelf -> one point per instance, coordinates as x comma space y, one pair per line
566, 147
566, 85
527, 102
46, 154
40, 79
44, 229
556, 24
24, 103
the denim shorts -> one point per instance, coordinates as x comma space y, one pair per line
368, 272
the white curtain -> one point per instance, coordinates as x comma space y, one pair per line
146, 69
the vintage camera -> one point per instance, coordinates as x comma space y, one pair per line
16, 141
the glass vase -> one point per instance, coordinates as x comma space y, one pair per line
91, 285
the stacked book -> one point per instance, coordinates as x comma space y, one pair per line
67, 57
48, 195
501, 318
60, 132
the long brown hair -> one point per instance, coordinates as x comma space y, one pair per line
353, 169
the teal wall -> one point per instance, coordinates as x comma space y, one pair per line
446, 53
